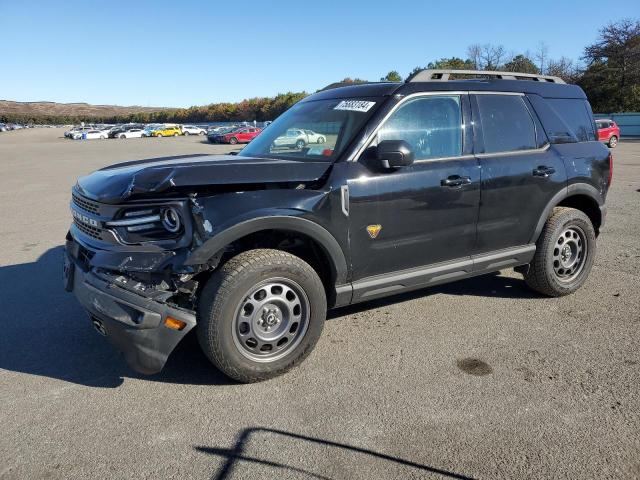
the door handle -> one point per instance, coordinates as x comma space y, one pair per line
455, 181
543, 171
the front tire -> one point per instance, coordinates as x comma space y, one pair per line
261, 314
613, 141
564, 253
233, 140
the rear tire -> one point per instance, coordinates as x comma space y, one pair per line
564, 254
186, 134
233, 141
613, 141
250, 304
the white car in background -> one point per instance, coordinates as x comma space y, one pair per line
133, 133
193, 130
77, 132
90, 135
298, 138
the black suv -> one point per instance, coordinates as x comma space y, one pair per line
415, 184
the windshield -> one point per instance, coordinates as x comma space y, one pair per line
313, 130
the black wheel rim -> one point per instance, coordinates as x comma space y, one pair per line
569, 254
271, 320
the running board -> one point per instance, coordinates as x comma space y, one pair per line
406, 280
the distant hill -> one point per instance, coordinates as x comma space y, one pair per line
37, 109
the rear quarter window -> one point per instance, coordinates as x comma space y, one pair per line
576, 115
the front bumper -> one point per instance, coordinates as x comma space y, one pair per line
132, 322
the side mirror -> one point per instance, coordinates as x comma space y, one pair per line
394, 154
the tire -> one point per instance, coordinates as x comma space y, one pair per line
102, 137
186, 134
613, 141
233, 141
300, 144
229, 342
176, 134
564, 253
122, 135
321, 140
202, 133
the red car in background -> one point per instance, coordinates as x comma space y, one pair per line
608, 132
240, 135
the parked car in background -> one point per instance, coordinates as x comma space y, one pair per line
240, 135
78, 131
608, 132
221, 128
132, 133
298, 138
193, 130
93, 134
167, 131
214, 135
115, 132
149, 129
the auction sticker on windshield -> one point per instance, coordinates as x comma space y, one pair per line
355, 105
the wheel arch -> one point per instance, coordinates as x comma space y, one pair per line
581, 196
318, 247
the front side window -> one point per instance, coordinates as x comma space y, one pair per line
506, 123
432, 125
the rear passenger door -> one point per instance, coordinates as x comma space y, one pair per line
520, 173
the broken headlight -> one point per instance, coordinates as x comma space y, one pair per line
148, 223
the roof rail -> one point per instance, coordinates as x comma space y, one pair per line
443, 75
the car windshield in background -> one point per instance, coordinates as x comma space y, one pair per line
313, 130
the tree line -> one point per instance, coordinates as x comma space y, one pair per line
608, 72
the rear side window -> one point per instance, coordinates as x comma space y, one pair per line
506, 123
575, 114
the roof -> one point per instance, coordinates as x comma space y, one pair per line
544, 89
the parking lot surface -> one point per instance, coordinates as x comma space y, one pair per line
481, 378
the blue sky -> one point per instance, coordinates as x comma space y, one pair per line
182, 53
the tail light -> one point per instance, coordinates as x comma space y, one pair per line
610, 168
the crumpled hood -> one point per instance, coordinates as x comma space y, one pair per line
146, 177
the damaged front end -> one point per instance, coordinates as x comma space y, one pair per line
126, 267
134, 255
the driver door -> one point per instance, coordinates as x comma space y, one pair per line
426, 213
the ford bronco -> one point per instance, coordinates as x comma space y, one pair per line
448, 175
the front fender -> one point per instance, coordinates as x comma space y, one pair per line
292, 222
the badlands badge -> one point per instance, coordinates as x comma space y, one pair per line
374, 230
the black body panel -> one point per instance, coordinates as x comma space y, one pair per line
159, 176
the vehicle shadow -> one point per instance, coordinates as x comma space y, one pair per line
46, 332
236, 454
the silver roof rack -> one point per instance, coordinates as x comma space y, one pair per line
443, 76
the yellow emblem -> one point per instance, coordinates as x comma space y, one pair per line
374, 230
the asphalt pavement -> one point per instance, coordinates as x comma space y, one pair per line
481, 378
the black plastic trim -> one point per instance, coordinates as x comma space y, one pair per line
415, 278
294, 224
